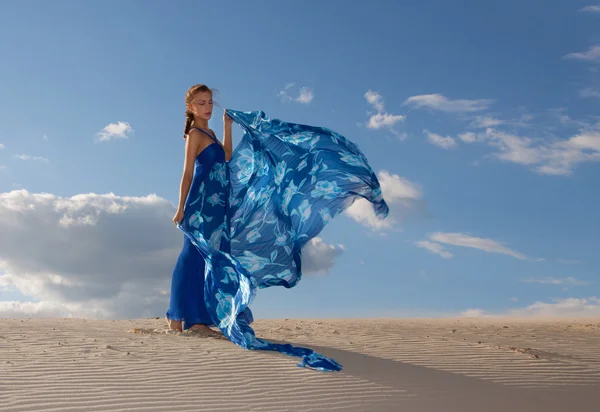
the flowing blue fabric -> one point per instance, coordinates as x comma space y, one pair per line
249, 219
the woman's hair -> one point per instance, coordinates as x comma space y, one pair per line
189, 116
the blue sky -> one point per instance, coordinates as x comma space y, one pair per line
484, 115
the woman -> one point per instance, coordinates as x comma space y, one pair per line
246, 215
205, 159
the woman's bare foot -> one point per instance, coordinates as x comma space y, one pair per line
205, 329
175, 325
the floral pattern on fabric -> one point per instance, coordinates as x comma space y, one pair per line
283, 184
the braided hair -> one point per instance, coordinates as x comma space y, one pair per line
189, 116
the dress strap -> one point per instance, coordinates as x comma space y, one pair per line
208, 134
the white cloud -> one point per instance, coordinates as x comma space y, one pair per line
468, 137
1, 146
559, 308
434, 248
18, 309
563, 118
305, 94
108, 253
568, 307
570, 281
381, 118
442, 103
483, 122
487, 120
119, 130
589, 92
97, 255
527, 117
446, 142
543, 152
375, 99
567, 121
402, 196
32, 158
318, 256
555, 157
473, 313
591, 55
466, 240
591, 9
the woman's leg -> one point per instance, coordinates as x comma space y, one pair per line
198, 318
178, 300
187, 308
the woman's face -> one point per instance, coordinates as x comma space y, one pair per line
201, 105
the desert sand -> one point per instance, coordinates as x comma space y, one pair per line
459, 364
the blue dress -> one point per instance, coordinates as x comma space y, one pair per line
187, 284
248, 220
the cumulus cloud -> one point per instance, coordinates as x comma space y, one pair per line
97, 255
88, 251
375, 99
591, 55
113, 131
442, 103
569, 281
445, 142
305, 94
403, 198
381, 118
318, 256
436, 241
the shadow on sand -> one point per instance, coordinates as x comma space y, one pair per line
435, 390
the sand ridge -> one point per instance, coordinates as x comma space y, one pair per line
389, 364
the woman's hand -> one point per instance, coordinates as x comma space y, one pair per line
178, 217
227, 121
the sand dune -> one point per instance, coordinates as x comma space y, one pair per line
389, 365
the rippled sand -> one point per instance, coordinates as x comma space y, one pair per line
464, 365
